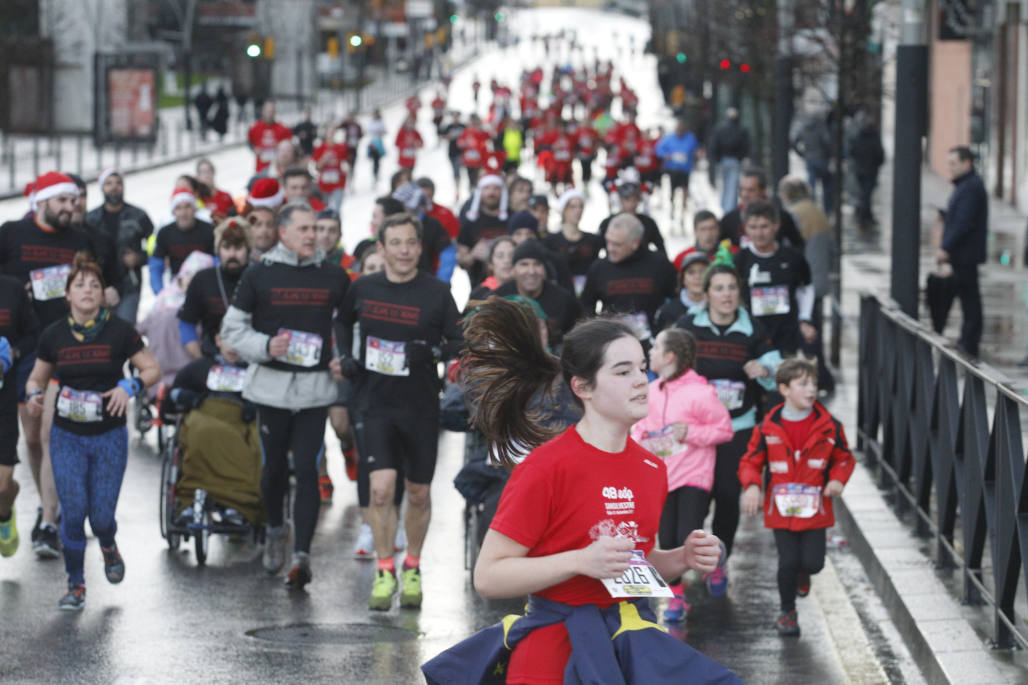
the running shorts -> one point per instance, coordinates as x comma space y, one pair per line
405, 443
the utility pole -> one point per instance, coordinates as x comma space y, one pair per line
911, 115
783, 90
838, 183
187, 59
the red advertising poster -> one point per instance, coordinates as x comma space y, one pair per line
131, 97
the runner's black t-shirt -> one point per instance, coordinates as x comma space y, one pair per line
378, 317
43, 258
18, 323
639, 284
651, 233
453, 129
298, 299
207, 299
561, 308
126, 228
85, 370
769, 291
485, 227
721, 354
175, 244
579, 254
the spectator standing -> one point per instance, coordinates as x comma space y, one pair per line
729, 146
813, 142
867, 156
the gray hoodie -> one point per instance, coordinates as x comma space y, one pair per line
265, 385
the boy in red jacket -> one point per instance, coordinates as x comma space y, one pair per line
808, 463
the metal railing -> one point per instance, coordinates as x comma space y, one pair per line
923, 424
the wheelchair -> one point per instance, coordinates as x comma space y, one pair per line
210, 476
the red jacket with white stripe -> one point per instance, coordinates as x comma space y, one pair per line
823, 456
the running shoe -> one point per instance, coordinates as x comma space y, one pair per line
786, 624
364, 548
9, 536
114, 565
299, 570
382, 591
350, 458
401, 538
325, 487
410, 588
677, 610
275, 541
74, 599
717, 580
802, 584
47, 545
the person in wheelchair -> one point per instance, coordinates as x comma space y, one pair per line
218, 438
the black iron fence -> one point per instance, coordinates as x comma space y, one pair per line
924, 425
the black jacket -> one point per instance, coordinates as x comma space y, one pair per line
966, 225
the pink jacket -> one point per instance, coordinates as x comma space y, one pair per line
693, 401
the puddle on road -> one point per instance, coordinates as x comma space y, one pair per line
332, 634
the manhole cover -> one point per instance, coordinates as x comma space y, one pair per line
332, 634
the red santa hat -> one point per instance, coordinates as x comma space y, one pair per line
180, 195
266, 193
53, 183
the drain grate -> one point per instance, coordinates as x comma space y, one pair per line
332, 634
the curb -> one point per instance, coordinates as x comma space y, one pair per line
942, 642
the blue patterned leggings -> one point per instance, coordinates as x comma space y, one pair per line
88, 470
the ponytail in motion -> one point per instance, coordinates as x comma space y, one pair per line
505, 365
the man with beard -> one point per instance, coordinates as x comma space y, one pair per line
39, 250
179, 239
753, 188
128, 227
210, 291
484, 220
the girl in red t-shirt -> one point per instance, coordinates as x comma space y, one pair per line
578, 505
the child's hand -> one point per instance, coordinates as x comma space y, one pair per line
679, 431
833, 488
701, 551
751, 500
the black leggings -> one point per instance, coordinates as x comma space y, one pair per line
799, 551
725, 492
303, 433
684, 511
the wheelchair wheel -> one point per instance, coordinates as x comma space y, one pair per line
202, 537
144, 416
167, 498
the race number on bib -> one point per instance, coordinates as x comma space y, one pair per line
638, 323
796, 499
267, 154
661, 443
80, 406
640, 579
386, 357
49, 283
731, 393
329, 176
579, 283
304, 348
773, 299
679, 157
226, 378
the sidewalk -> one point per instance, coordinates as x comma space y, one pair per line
23, 158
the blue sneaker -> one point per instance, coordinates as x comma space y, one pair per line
677, 610
717, 580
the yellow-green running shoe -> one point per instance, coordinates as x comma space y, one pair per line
9, 536
410, 588
382, 591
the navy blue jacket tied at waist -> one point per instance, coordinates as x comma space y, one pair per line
619, 645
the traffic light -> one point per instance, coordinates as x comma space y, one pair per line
726, 64
744, 68
498, 17
269, 48
356, 40
680, 57
253, 50
454, 18
333, 47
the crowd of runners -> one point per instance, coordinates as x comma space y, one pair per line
683, 381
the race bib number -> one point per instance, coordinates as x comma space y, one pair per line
267, 154
579, 283
386, 357
640, 579
226, 378
679, 158
49, 283
730, 393
796, 499
643, 161
304, 348
407, 152
329, 176
638, 323
80, 406
772, 299
472, 155
661, 443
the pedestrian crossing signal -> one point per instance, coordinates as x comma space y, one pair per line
253, 50
680, 57
356, 40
